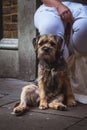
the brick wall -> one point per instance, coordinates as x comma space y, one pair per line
10, 18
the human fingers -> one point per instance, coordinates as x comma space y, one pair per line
70, 17
67, 16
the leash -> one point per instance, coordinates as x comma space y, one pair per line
67, 37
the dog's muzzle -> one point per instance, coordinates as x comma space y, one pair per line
46, 50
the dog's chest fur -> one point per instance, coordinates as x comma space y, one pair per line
51, 77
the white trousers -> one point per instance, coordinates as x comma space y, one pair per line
47, 20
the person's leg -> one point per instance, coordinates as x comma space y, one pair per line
79, 27
47, 22
79, 36
78, 60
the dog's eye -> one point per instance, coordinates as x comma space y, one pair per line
41, 43
52, 43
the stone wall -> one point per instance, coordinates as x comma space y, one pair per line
10, 18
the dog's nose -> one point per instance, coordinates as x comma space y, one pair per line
45, 49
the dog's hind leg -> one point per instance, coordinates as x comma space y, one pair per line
29, 96
57, 103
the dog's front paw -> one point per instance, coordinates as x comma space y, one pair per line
43, 105
62, 108
71, 102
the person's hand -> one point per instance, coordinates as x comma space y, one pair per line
65, 13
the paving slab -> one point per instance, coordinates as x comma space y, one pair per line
79, 112
82, 125
34, 121
75, 118
10, 90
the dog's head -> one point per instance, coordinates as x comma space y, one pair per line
47, 46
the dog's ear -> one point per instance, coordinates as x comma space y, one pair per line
35, 42
59, 41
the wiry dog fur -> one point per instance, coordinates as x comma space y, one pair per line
54, 88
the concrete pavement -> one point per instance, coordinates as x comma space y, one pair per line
73, 119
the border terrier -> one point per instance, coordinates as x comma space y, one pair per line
53, 89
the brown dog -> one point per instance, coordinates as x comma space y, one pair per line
53, 89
